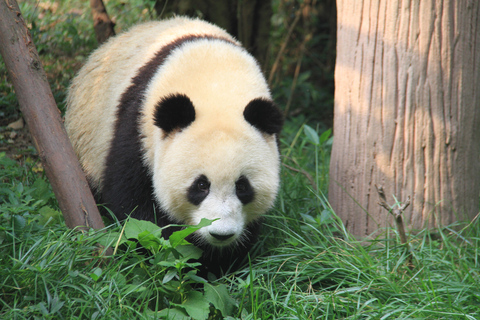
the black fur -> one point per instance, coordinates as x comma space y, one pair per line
264, 115
199, 190
174, 112
244, 190
220, 261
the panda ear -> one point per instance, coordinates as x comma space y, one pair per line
174, 112
264, 115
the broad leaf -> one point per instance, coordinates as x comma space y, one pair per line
189, 251
196, 305
311, 134
170, 314
150, 241
134, 227
220, 298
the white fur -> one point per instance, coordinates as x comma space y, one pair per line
220, 79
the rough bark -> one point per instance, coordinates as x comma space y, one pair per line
407, 116
44, 122
102, 24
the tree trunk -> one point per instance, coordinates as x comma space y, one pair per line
407, 112
102, 24
43, 119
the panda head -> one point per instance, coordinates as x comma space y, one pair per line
220, 168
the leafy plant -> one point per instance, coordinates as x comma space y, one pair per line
171, 272
25, 205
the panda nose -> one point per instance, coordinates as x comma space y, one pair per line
221, 237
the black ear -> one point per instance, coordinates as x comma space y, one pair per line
264, 115
174, 112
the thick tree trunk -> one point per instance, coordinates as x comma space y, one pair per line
43, 118
407, 111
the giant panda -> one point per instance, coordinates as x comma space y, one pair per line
172, 122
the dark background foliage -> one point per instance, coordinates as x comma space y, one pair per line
293, 40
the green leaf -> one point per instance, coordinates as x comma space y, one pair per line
170, 314
49, 215
19, 222
189, 251
196, 305
150, 241
6, 161
41, 192
134, 227
56, 304
308, 218
165, 263
43, 309
220, 298
96, 274
192, 276
325, 136
311, 134
326, 217
178, 237
169, 276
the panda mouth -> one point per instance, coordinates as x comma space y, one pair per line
222, 237
222, 242
216, 240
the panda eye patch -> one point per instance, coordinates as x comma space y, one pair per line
241, 187
198, 190
244, 190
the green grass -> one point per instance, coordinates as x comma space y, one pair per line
306, 265
317, 274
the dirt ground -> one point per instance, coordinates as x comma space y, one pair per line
16, 142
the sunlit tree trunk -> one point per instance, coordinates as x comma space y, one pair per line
407, 111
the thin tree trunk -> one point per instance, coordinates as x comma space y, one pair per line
102, 24
43, 119
254, 27
407, 111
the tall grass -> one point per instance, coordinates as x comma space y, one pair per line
322, 273
306, 265
316, 270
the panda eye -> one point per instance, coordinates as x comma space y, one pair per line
198, 190
244, 190
203, 185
